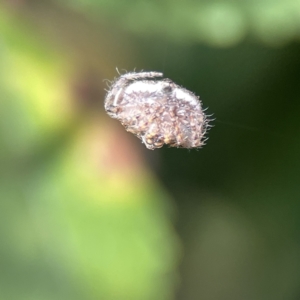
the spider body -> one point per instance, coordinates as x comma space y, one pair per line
156, 110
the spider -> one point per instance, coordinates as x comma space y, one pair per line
157, 110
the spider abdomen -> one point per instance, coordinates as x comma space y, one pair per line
158, 112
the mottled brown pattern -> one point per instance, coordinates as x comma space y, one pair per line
157, 111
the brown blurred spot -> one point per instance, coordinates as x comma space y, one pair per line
87, 91
122, 152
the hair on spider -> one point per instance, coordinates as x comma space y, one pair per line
157, 110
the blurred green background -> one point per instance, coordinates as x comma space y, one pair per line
87, 212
